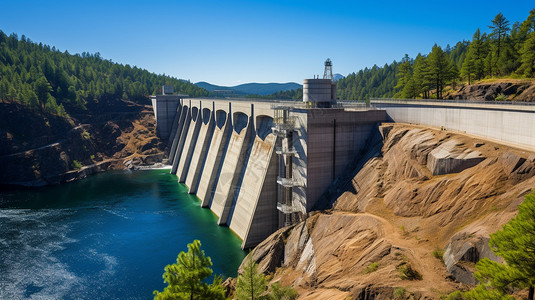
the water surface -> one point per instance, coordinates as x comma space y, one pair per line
105, 237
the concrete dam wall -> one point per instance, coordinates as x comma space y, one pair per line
502, 122
255, 168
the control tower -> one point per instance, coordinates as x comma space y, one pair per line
320, 93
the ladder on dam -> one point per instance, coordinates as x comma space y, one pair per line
284, 127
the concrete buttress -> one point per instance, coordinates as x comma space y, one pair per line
201, 149
189, 145
254, 215
214, 158
182, 139
232, 166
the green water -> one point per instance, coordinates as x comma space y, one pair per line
105, 237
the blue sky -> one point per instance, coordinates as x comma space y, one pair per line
234, 42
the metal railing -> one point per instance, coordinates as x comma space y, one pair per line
287, 209
288, 182
445, 101
285, 150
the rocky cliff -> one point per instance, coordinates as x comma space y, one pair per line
38, 149
412, 220
501, 89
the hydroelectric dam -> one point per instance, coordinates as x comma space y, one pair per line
263, 164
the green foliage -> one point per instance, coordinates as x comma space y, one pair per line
279, 292
400, 293
515, 243
371, 268
485, 292
505, 51
406, 272
251, 283
185, 278
438, 254
501, 97
85, 135
76, 165
41, 77
457, 295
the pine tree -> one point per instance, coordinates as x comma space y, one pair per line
422, 78
500, 28
528, 56
468, 69
251, 283
185, 278
438, 68
515, 243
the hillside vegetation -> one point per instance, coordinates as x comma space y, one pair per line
505, 51
42, 78
65, 116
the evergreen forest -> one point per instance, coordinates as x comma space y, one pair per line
44, 79
505, 51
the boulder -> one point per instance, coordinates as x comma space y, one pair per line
463, 251
452, 157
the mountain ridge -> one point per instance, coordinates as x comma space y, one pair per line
251, 88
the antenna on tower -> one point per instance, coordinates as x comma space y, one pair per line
328, 74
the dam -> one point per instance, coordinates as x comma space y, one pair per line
262, 164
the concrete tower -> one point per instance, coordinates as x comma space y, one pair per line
320, 93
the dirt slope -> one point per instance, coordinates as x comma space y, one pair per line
427, 190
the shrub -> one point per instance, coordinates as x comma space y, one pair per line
85, 135
438, 254
501, 97
371, 268
400, 293
407, 272
76, 165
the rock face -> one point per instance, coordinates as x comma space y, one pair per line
427, 190
517, 90
37, 149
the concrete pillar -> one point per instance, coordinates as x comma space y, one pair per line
174, 125
201, 149
178, 132
214, 157
232, 166
254, 216
189, 144
182, 138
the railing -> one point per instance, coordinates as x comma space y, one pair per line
285, 150
287, 209
444, 101
288, 182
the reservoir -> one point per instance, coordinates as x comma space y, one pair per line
105, 237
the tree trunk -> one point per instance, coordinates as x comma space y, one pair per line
530, 295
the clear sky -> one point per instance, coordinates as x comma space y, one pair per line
233, 42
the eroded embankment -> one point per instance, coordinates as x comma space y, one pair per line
427, 190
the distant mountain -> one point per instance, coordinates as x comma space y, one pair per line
337, 77
251, 88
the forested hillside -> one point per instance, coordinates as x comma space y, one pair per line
43, 78
505, 51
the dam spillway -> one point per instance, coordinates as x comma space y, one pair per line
260, 164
